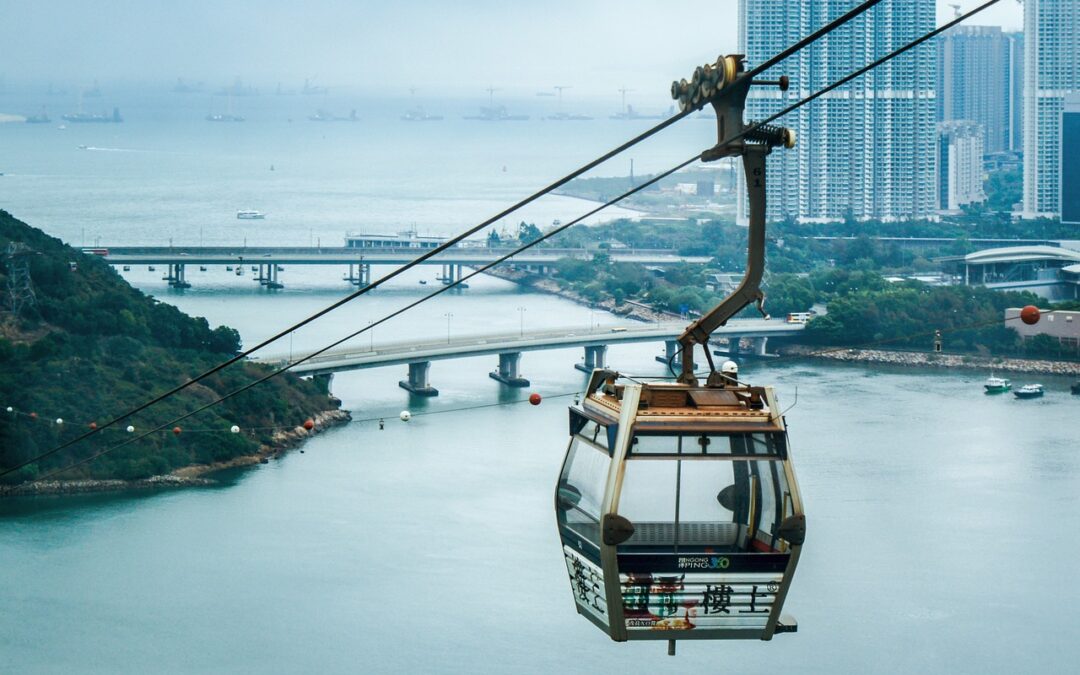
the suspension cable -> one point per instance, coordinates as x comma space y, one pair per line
371, 326
833, 25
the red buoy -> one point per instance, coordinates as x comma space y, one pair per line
309, 424
535, 398
1030, 315
176, 431
93, 425
33, 416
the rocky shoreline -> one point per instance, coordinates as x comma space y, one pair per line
188, 476
932, 360
629, 309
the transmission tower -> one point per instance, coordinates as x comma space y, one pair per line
20, 288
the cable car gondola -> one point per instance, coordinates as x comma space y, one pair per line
677, 505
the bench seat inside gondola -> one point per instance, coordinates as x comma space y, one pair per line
702, 537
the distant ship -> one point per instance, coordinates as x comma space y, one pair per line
632, 114
418, 115
250, 214
567, 117
82, 118
496, 114
324, 116
182, 87
224, 117
40, 118
311, 89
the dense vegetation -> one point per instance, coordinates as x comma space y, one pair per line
93, 346
846, 275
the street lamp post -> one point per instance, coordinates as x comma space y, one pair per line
371, 335
448, 316
521, 313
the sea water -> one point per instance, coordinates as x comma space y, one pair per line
940, 519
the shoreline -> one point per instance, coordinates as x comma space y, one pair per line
932, 360
193, 475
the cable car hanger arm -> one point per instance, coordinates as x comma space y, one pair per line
753, 143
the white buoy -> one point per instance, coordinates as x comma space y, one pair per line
235, 429
405, 416
130, 429
10, 409
59, 420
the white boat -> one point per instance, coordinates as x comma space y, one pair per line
996, 385
250, 214
1029, 391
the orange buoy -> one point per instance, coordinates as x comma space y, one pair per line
33, 415
535, 398
309, 424
1030, 315
176, 431
93, 425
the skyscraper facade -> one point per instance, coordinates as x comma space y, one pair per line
974, 80
1051, 72
865, 150
1015, 119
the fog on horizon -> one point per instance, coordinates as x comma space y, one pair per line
593, 47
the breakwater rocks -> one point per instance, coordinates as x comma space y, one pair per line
188, 476
932, 360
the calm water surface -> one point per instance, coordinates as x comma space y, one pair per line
941, 521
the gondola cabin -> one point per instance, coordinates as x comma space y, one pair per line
678, 510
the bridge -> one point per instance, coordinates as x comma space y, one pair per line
267, 262
509, 347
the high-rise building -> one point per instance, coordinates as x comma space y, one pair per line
959, 165
1015, 116
1070, 161
1051, 72
866, 149
974, 79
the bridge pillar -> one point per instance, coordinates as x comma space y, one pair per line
359, 274
272, 277
595, 357
672, 355
759, 345
418, 380
509, 372
176, 276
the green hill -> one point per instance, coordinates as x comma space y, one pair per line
92, 346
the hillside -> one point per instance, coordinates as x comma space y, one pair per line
93, 346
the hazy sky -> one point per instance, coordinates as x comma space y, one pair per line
592, 45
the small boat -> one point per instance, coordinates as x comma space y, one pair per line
250, 214
996, 385
127, 268
1029, 391
150, 268
202, 268
423, 282
228, 268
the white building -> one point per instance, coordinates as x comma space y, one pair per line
1051, 72
959, 165
865, 150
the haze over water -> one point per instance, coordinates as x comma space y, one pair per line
940, 520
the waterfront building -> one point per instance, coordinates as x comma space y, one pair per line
866, 149
959, 165
1070, 161
407, 239
1051, 72
1062, 325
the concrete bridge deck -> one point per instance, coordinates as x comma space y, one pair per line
418, 355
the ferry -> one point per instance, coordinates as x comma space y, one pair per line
996, 385
1029, 391
250, 214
